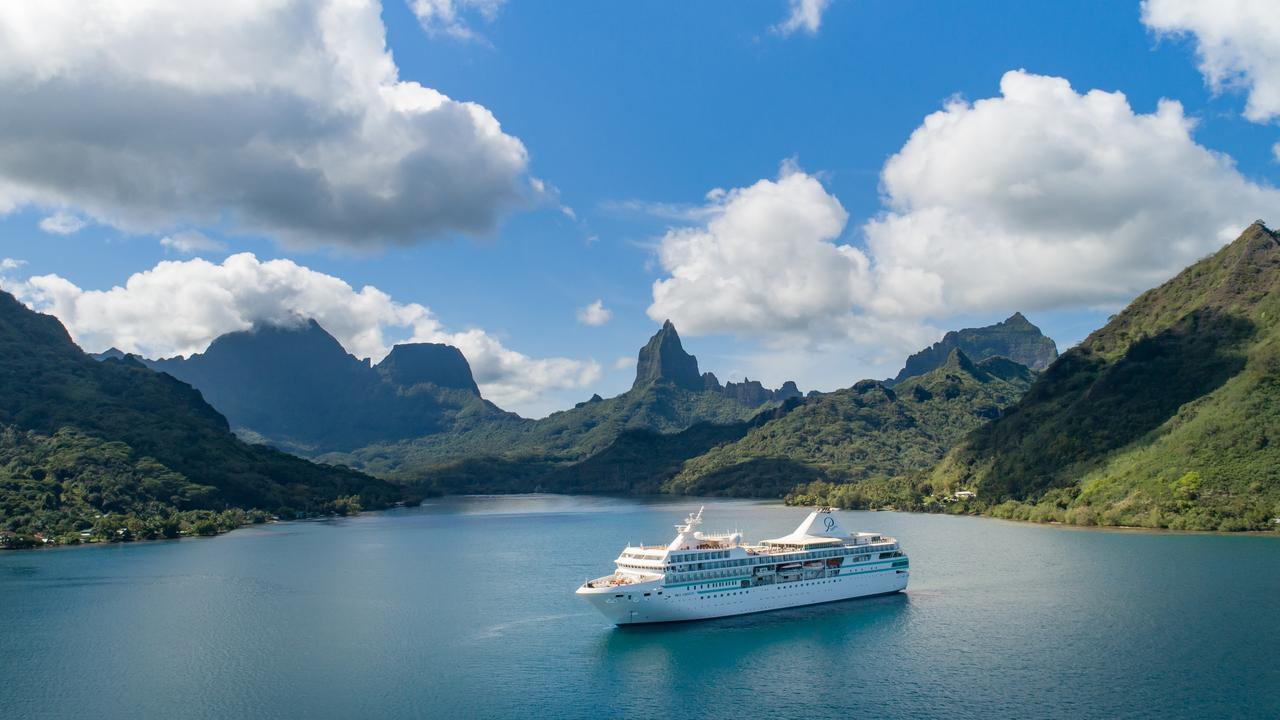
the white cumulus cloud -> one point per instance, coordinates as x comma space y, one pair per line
62, 223
179, 307
451, 16
287, 118
1235, 42
191, 241
1048, 198
805, 15
1040, 198
765, 263
595, 314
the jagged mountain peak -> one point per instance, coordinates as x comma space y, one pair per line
957, 360
663, 359
1017, 319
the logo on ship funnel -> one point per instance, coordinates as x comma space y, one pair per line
830, 522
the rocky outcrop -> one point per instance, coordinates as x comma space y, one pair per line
663, 360
1014, 338
430, 363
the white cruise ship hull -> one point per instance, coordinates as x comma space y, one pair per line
652, 602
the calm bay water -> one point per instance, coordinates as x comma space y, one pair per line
465, 608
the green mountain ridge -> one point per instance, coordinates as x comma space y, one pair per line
83, 437
642, 461
1168, 416
868, 433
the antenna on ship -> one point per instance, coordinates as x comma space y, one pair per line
691, 521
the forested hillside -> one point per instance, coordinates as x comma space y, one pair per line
1168, 416
82, 438
866, 434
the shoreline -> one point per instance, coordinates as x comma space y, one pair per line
1122, 529
781, 503
145, 541
1070, 526
42, 547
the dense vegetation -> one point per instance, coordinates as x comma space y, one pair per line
896, 493
72, 488
113, 437
1169, 416
866, 434
643, 462
1014, 338
464, 457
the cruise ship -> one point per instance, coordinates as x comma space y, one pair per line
708, 575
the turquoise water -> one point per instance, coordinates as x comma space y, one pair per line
465, 608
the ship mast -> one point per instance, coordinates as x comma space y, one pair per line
690, 522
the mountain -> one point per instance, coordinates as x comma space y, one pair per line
751, 392
1015, 338
1167, 416
663, 359
642, 462
81, 438
415, 364
506, 454
294, 386
869, 433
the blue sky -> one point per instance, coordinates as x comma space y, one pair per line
631, 113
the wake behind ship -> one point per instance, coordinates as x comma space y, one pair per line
701, 575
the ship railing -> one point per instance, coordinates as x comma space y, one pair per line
606, 581
609, 581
